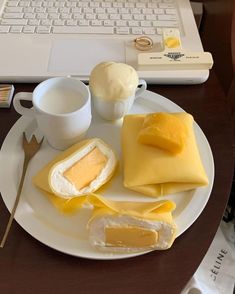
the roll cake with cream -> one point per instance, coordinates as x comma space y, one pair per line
125, 226
78, 171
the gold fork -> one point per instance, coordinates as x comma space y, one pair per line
30, 149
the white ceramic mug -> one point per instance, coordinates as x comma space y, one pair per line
62, 108
115, 109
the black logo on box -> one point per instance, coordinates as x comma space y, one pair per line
174, 55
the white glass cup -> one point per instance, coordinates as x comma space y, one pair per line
62, 109
117, 108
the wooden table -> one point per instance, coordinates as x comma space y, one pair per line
27, 266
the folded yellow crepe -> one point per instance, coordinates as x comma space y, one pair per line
156, 172
124, 226
65, 206
76, 172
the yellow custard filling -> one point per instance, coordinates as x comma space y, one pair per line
84, 171
130, 237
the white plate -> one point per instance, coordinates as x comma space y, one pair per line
68, 234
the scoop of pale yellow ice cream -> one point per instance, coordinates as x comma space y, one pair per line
113, 81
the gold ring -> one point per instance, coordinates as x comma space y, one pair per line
143, 43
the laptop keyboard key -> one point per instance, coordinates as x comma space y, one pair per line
149, 31
43, 29
12, 3
29, 29
137, 31
12, 15
167, 17
13, 9
165, 24
13, 22
82, 30
123, 31
33, 22
16, 29
4, 29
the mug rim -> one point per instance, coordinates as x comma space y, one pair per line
85, 87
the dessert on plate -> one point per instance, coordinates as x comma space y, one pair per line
76, 172
122, 226
160, 158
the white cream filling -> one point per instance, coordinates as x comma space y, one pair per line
65, 188
97, 227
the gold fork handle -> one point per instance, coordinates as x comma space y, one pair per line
26, 162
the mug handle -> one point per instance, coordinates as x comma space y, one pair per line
120, 107
140, 90
17, 105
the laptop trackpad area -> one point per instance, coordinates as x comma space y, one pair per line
78, 57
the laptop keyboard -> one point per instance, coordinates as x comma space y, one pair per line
113, 17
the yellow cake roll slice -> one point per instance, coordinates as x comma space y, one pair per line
78, 171
124, 226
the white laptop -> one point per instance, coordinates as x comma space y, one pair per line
46, 38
